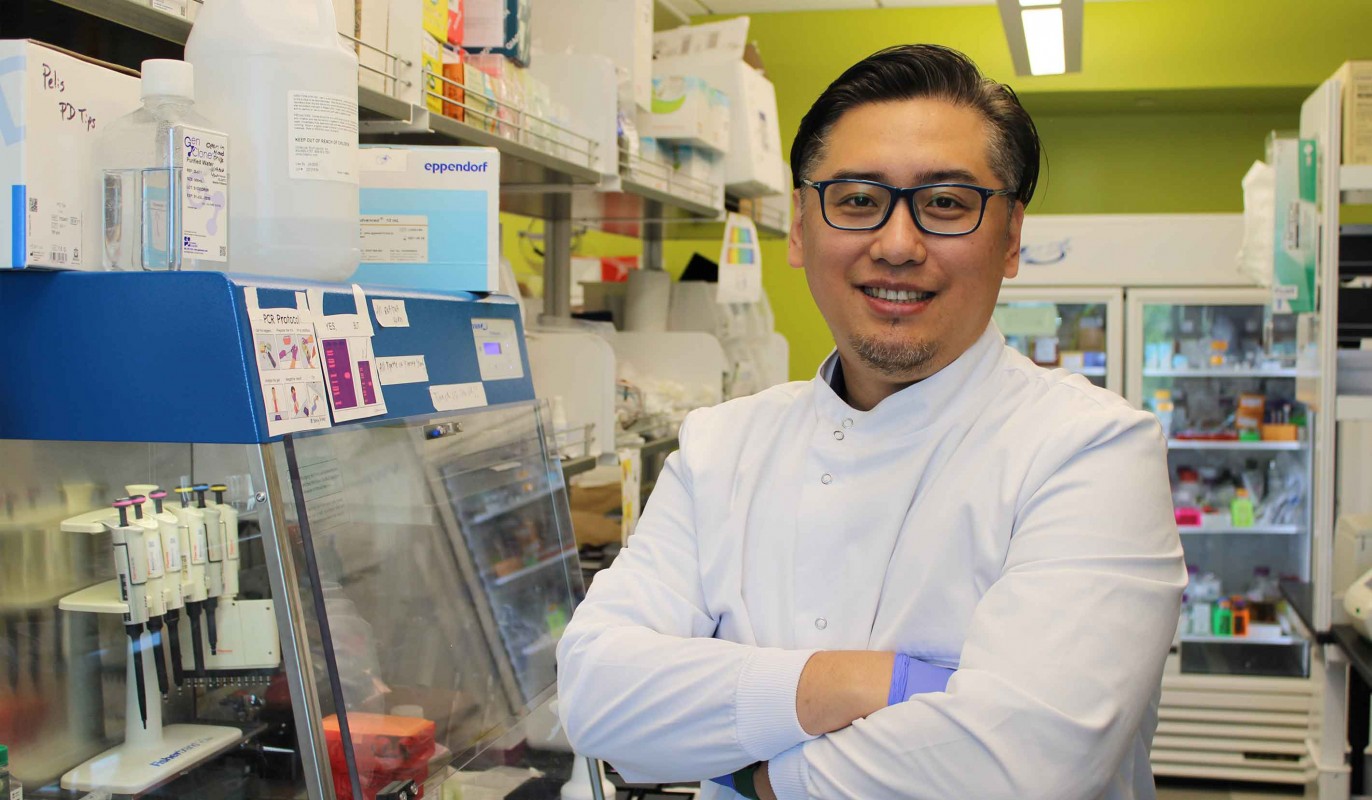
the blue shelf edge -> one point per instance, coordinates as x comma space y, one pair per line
169, 357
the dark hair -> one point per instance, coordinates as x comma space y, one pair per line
909, 71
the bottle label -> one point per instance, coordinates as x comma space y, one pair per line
204, 160
322, 136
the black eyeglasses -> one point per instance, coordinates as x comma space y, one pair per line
941, 209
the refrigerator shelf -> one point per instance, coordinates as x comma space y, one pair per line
1280, 530
531, 569
1220, 372
1232, 444
1274, 640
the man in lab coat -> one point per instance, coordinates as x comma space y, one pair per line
934, 571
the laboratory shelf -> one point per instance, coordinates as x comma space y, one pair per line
135, 16
1220, 372
772, 223
1232, 444
1353, 408
1267, 640
520, 164
382, 106
1096, 372
664, 445
692, 206
524, 500
505, 580
1272, 530
651, 192
576, 466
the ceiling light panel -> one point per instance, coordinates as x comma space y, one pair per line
933, 3
1043, 40
1043, 37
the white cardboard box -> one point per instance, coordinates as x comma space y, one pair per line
620, 30
52, 106
585, 84
752, 165
714, 51
687, 110
430, 217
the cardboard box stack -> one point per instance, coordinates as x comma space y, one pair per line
715, 52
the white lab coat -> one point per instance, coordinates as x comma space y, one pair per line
1007, 520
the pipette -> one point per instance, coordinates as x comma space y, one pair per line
132, 571
214, 568
191, 530
173, 569
155, 593
228, 516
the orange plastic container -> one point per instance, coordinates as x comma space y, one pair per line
386, 748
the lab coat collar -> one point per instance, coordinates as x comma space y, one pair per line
917, 405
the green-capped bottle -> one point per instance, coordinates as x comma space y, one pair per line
10, 789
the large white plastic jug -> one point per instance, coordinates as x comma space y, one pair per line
275, 77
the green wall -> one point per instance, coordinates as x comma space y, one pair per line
1174, 102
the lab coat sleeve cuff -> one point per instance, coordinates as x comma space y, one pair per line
765, 718
788, 774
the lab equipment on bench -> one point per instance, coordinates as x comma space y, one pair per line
173, 571
1357, 601
151, 753
154, 594
214, 566
332, 534
191, 528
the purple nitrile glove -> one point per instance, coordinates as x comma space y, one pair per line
910, 677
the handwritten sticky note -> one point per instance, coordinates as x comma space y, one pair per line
391, 313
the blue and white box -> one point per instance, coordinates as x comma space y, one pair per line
430, 217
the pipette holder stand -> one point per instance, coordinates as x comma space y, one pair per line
151, 754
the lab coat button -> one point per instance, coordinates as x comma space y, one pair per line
847, 423
826, 479
821, 623
838, 435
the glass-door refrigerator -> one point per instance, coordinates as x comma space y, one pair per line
1217, 367
1080, 330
